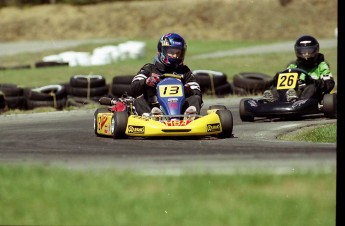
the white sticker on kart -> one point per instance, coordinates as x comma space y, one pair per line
298, 103
252, 103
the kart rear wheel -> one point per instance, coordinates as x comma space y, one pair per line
119, 124
217, 106
330, 105
244, 115
95, 123
226, 121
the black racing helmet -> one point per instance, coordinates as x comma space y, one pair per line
307, 49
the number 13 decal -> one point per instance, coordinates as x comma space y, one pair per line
287, 80
170, 90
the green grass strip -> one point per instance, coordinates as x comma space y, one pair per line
33, 195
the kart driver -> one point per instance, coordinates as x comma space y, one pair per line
309, 59
171, 51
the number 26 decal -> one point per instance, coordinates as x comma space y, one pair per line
287, 80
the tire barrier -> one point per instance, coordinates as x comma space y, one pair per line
87, 86
252, 82
11, 97
40, 64
46, 96
88, 89
2, 102
213, 82
121, 84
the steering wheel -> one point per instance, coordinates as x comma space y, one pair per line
299, 71
170, 76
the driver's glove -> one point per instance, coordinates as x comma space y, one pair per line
308, 80
152, 80
187, 88
319, 83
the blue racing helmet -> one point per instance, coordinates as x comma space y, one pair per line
171, 42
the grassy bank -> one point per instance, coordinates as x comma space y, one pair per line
194, 19
50, 196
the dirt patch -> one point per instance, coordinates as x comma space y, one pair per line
195, 19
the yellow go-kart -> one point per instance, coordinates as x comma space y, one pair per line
119, 119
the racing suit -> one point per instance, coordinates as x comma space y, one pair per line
321, 81
145, 95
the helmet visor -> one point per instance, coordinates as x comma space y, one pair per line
173, 52
306, 52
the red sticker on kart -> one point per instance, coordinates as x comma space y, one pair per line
287, 80
104, 119
177, 122
173, 103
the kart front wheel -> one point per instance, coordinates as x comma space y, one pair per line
244, 115
95, 121
119, 124
226, 121
217, 106
330, 105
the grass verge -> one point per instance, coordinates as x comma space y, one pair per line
50, 196
322, 134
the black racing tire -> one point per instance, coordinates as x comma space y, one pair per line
205, 81
217, 107
17, 102
224, 89
120, 89
330, 105
86, 92
209, 80
11, 90
7, 85
58, 104
45, 93
244, 115
3, 103
252, 82
227, 123
123, 79
119, 124
87, 81
95, 123
238, 91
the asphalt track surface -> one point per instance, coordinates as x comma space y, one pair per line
67, 139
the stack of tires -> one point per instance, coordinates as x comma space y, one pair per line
121, 84
215, 83
252, 82
86, 89
11, 97
46, 96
